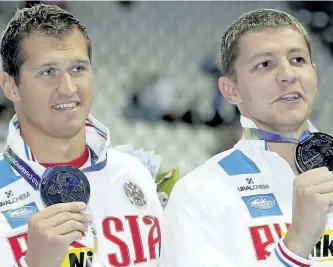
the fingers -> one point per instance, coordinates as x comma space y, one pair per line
66, 216
68, 227
62, 207
324, 188
328, 200
71, 237
317, 170
314, 177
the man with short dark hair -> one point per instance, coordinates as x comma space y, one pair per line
66, 198
267, 201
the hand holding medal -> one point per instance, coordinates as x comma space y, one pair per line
52, 230
65, 191
312, 189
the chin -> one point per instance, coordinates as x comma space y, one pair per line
67, 133
69, 130
291, 120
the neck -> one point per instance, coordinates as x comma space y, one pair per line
293, 131
48, 149
285, 149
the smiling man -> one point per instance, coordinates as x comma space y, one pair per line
66, 198
267, 201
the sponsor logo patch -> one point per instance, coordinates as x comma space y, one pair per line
78, 257
262, 205
18, 217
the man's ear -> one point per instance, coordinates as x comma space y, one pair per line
228, 90
9, 87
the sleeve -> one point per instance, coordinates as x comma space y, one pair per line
192, 238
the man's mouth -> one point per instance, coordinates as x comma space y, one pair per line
71, 105
291, 97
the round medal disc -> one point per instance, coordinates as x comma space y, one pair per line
64, 184
315, 152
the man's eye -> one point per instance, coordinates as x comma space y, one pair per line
264, 64
299, 60
48, 72
78, 69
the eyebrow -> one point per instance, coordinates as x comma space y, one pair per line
52, 64
271, 54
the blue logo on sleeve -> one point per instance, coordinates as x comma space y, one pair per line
262, 205
20, 216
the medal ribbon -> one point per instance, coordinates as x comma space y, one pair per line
33, 178
257, 134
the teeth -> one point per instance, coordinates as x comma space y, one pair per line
66, 106
290, 96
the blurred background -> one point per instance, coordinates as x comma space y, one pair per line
156, 66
